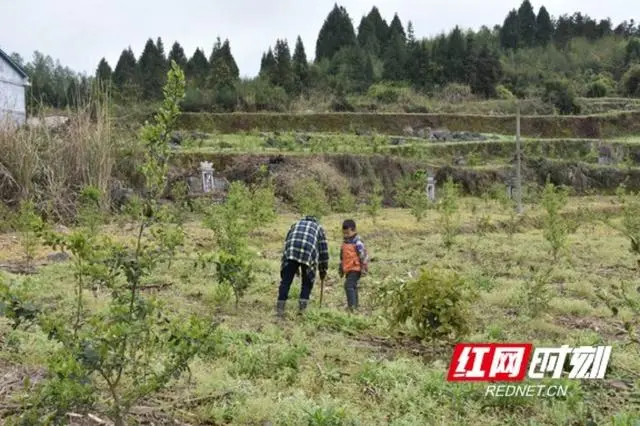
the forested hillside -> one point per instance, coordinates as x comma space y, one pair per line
381, 60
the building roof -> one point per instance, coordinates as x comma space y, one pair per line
15, 66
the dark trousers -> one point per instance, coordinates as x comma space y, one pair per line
351, 288
287, 275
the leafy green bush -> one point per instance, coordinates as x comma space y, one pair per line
504, 93
630, 226
449, 220
455, 92
130, 348
597, 89
560, 94
260, 95
556, 228
631, 82
309, 198
345, 202
410, 193
384, 93
29, 224
436, 305
244, 210
537, 293
374, 204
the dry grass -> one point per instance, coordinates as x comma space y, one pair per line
49, 165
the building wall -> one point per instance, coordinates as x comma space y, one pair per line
12, 94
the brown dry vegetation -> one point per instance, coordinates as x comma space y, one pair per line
49, 166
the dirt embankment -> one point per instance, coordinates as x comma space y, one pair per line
360, 172
588, 126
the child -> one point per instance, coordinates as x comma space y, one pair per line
354, 262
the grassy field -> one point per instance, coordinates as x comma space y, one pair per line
334, 368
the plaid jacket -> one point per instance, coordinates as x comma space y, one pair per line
306, 243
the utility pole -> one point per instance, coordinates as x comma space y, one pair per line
519, 160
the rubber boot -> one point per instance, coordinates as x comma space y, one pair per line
302, 306
280, 308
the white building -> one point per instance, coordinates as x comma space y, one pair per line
13, 83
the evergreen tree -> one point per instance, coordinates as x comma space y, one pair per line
394, 58
222, 52
526, 25
411, 37
604, 28
151, 71
161, 52
632, 52
488, 72
229, 59
73, 95
283, 75
455, 60
216, 52
18, 59
300, 68
396, 25
380, 26
198, 68
439, 52
418, 65
103, 73
177, 55
544, 27
470, 59
510, 33
564, 31
367, 38
336, 33
351, 70
268, 66
126, 69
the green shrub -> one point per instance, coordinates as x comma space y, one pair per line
537, 293
309, 198
556, 228
630, 220
436, 305
260, 95
130, 348
597, 89
449, 220
631, 82
29, 224
503, 93
374, 204
384, 93
345, 202
455, 92
560, 94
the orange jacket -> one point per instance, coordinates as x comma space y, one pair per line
353, 256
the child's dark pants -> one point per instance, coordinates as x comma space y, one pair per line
351, 288
288, 273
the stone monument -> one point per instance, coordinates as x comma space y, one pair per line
206, 168
431, 188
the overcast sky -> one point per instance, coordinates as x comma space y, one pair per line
80, 32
